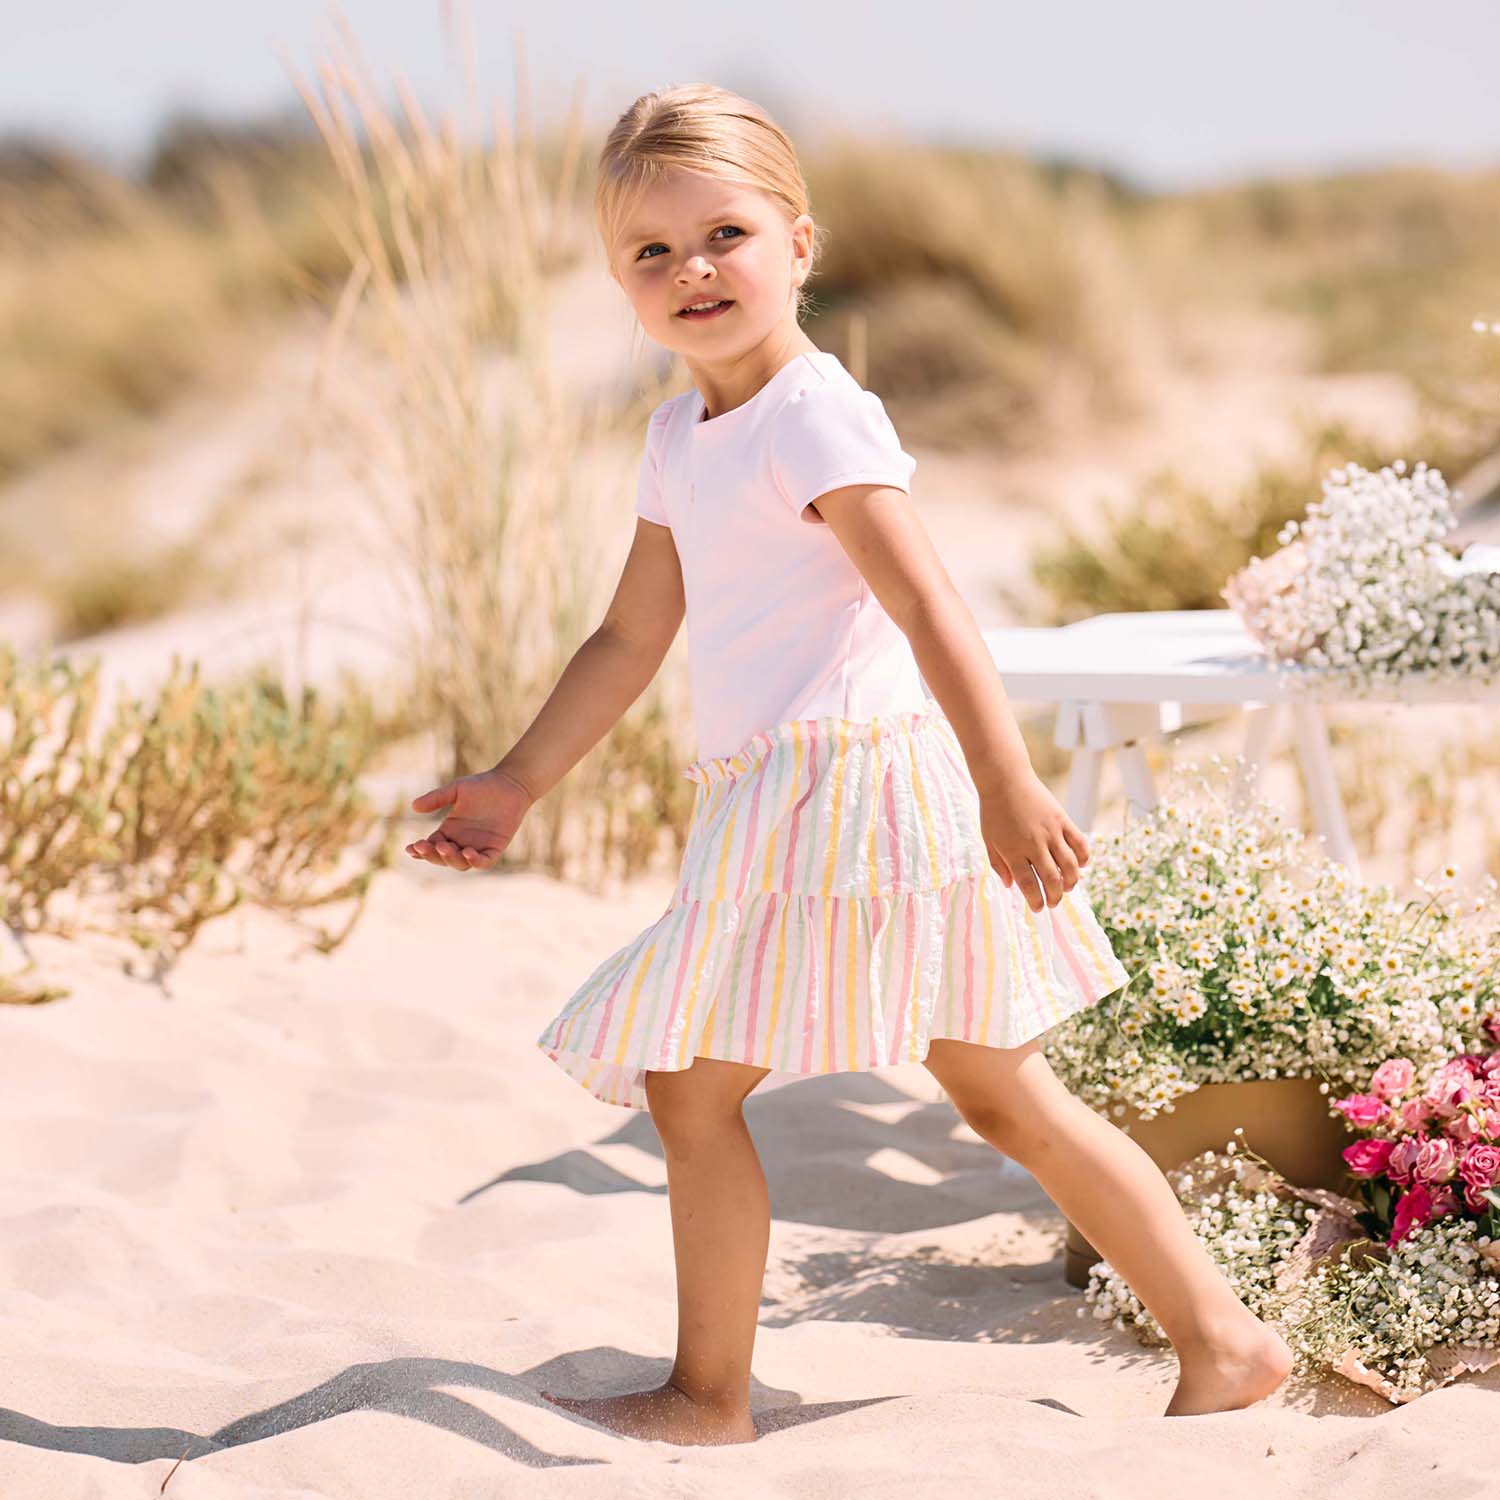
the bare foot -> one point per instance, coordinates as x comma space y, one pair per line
1233, 1372
666, 1414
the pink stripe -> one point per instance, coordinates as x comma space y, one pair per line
750, 836
944, 797
755, 973
892, 832
877, 928
598, 1048
812, 776
682, 964
909, 959
1070, 955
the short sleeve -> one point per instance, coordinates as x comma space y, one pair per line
827, 436
648, 491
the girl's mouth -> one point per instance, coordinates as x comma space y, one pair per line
716, 311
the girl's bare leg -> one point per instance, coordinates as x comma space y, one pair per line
1111, 1189
721, 1232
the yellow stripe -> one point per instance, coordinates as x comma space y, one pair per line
790, 802
827, 1019
918, 959
777, 979
834, 830
851, 986
726, 843
989, 954
1089, 937
934, 894
1043, 972
635, 995
927, 823
692, 1002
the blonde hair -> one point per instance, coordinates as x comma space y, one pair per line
697, 127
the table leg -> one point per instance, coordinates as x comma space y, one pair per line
1310, 732
1082, 799
1260, 720
1135, 776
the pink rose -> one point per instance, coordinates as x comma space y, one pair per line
1491, 1027
1444, 1202
1461, 1066
1412, 1211
1393, 1077
1436, 1159
1367, 1158
1403, 1158
1480, 1165
1415, 1113
1363, 1110
1462, 1128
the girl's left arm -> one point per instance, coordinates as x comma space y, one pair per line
1024, 825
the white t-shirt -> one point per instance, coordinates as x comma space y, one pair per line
781, 624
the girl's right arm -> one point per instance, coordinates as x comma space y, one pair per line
605, 676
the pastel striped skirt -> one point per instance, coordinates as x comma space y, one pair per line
835, 910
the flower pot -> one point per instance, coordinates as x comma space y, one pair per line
1285, 1120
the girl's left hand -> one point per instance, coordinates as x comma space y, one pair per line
1031, 840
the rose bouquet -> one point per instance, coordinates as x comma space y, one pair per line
1253, 955
1430, 1153
1397, 1289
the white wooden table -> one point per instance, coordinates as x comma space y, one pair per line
1119, 679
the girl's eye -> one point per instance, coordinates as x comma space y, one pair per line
739, 233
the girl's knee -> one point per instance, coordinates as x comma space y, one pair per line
689, 1104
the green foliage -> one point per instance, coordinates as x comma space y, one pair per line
171, 810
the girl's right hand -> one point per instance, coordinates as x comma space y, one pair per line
484, 811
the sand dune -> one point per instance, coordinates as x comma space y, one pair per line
322, 1226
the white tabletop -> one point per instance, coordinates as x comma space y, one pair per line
1180, 655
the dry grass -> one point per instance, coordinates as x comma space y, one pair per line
116, 296
150, 819
1173, 545
1000, 301
490, 486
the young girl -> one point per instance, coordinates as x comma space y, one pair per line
871, 876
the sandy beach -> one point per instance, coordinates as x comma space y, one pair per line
300, 1226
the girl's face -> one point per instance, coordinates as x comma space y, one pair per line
693, 239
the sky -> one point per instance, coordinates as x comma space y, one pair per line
1168, 93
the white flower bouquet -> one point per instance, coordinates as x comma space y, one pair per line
1402, 1317
1366, 592
1254, 956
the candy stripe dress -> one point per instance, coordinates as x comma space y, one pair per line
835, 908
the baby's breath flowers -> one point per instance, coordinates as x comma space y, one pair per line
1366, 594
1401, 1318
1253, 955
